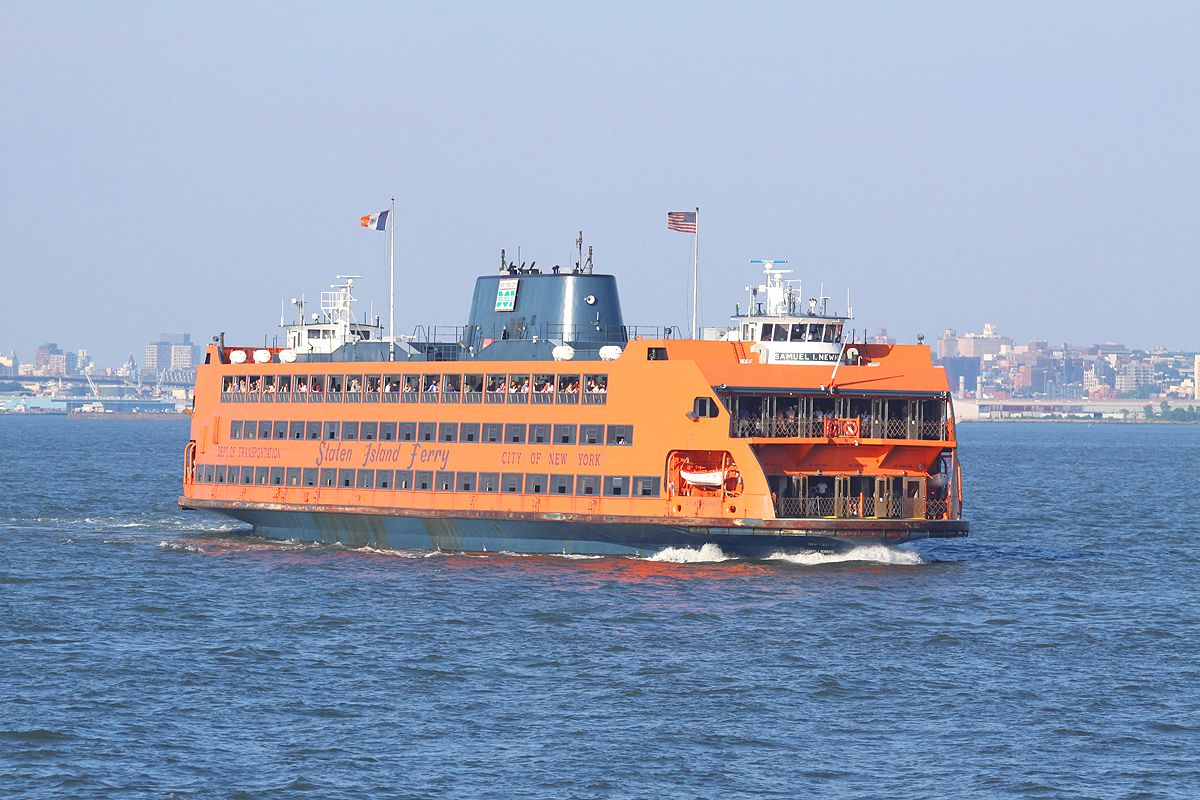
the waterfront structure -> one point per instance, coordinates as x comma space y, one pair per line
546, 424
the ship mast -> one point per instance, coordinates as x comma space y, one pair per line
392, 282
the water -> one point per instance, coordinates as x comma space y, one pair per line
146, 652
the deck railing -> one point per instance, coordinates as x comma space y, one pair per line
815, 428
862, 507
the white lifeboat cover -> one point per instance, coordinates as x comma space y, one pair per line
262, 356
238, 356
563, 352
610, 352
714, 477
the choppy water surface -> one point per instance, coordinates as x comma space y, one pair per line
146, 652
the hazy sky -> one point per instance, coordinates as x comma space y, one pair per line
183, 167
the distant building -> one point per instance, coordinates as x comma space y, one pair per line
1196, 377
157, 357
880, 336
41, 356
9, 366
1132, 377
173, 352
947, 344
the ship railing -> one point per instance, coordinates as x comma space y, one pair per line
815, 428
652, 332
541, 398
595, 398
494, 397
450, 397
472, 397
936, 508
353, 397
410, 397
371, 397
862, 507
568, 397
520, 398
429, 397
391, 397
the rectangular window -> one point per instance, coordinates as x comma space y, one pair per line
465, 482
387, 431
514, 433
591, 434
404, 479
204, 473
345, 479
616, 486
279, 430
350, 431
383, 479
539, 434
427, 431
445, 481
564, 434
448, 432
312, 430
310, 476
423, 481
233, 475
656, 354
262, 475
250, 429
366, 479
368, 431
492, 431
646, 486
219, 476
408, 431
329, 478
620, 435
468, 432
235, 429
331, 430
293, 476
535, 484
489, 481
586, 485
562, 484
704, 407
296, 430
510, 483
264, 429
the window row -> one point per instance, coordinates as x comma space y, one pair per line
487, 432
522, 388
433, 481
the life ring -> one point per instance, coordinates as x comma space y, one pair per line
850, 428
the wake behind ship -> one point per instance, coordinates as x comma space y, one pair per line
548, 425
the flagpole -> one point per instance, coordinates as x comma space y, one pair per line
695, 271
392, 281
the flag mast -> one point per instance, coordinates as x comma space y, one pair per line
392, 281
695, 270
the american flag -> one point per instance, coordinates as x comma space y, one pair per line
683, 221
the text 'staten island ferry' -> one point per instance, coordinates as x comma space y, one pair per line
548, 425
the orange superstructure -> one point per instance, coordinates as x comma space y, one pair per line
649, 443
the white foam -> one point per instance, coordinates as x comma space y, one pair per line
706, 553
874, 553
186, 548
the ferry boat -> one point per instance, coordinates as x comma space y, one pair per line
548, 425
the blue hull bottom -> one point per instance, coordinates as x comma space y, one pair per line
394, 532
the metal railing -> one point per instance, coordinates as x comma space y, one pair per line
862, 507
814, 428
